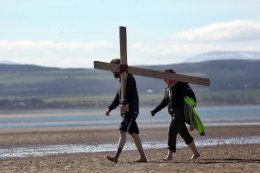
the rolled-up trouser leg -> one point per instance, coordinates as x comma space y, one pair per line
184, 133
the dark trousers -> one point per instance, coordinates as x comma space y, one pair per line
178, 126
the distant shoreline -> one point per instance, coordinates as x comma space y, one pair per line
85, 110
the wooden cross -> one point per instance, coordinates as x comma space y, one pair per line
141, 71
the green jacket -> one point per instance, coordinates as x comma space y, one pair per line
191, 116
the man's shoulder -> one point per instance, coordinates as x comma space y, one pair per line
182, 84
130, 76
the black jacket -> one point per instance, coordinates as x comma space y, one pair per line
131, 96
174, 97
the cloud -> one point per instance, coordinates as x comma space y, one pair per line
51, 45
225, 31
226, 36
60, 54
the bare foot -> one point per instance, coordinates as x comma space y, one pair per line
112, 159
202, 133
141, 160
195, 156
167, 158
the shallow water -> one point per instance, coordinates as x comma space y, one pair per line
45, 150
218, 115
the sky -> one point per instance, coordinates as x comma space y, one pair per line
74, 33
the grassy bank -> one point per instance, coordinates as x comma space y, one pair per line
249, 96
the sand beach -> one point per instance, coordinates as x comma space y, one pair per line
217, 158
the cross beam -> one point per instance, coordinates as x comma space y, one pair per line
152, 73
141, 71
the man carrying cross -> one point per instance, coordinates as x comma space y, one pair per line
123, 69
129, 109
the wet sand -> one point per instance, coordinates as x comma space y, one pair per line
222, 158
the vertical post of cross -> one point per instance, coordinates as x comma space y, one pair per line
123, 59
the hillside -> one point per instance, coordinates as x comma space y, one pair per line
35, 86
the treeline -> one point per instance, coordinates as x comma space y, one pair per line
30, 104
27, 86
36, 103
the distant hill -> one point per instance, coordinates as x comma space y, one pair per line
223, 74
23, 82
7, 62
225, 55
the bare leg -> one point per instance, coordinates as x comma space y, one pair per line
193, 148
121, 143
138, 144
169, 156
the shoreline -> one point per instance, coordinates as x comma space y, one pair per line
50, 150
96, 135
87, 111
112, 127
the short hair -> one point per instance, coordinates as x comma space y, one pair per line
169, 71
115, 61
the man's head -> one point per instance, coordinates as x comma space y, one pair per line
169, 71
115, 61
170, 82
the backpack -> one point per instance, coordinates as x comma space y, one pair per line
189, 92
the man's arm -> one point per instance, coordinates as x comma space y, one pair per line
189, 92
115, 102
162, 105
